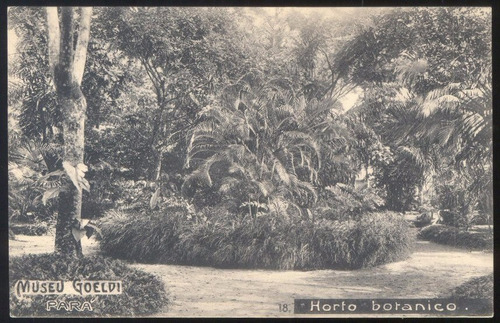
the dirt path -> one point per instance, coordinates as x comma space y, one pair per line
431, 271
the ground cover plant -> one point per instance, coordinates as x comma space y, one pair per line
143, 293
273, 243
32, 229
455, 237
475, 288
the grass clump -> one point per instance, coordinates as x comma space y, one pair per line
455, 237
476, 288
262, 242
142, 294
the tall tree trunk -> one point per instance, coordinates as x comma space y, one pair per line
155, 167
68, 65
157, 173
158, 132
72, 102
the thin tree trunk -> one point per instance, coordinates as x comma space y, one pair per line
367, 178
157, 172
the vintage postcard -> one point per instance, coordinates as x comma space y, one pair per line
250, 162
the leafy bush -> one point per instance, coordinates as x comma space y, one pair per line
481, 218
456, 199
29, 179
142, 294
427, 216
105, 190
143, 196
135, 195
341, 202
476, 288
399, 174
236, 241
31, 229
422, 220
452, 236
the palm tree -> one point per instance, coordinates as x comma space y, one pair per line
266, 141
455, 121
395, 122
459, 116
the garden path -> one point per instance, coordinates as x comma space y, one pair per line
431, 271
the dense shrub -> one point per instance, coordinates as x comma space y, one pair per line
422, 220
230, 241
427, 216
456, 200
28, 180
142, 294
31, 229
452, 236
399, 175
342, 202
476, 288
481, 218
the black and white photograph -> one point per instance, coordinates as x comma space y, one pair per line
250, 162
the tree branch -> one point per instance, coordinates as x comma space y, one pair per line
54, 35
151, 76
81, 46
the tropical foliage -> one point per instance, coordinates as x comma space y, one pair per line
265, 147
475, 288
243, 115
452, 236
223, 240
429, 101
